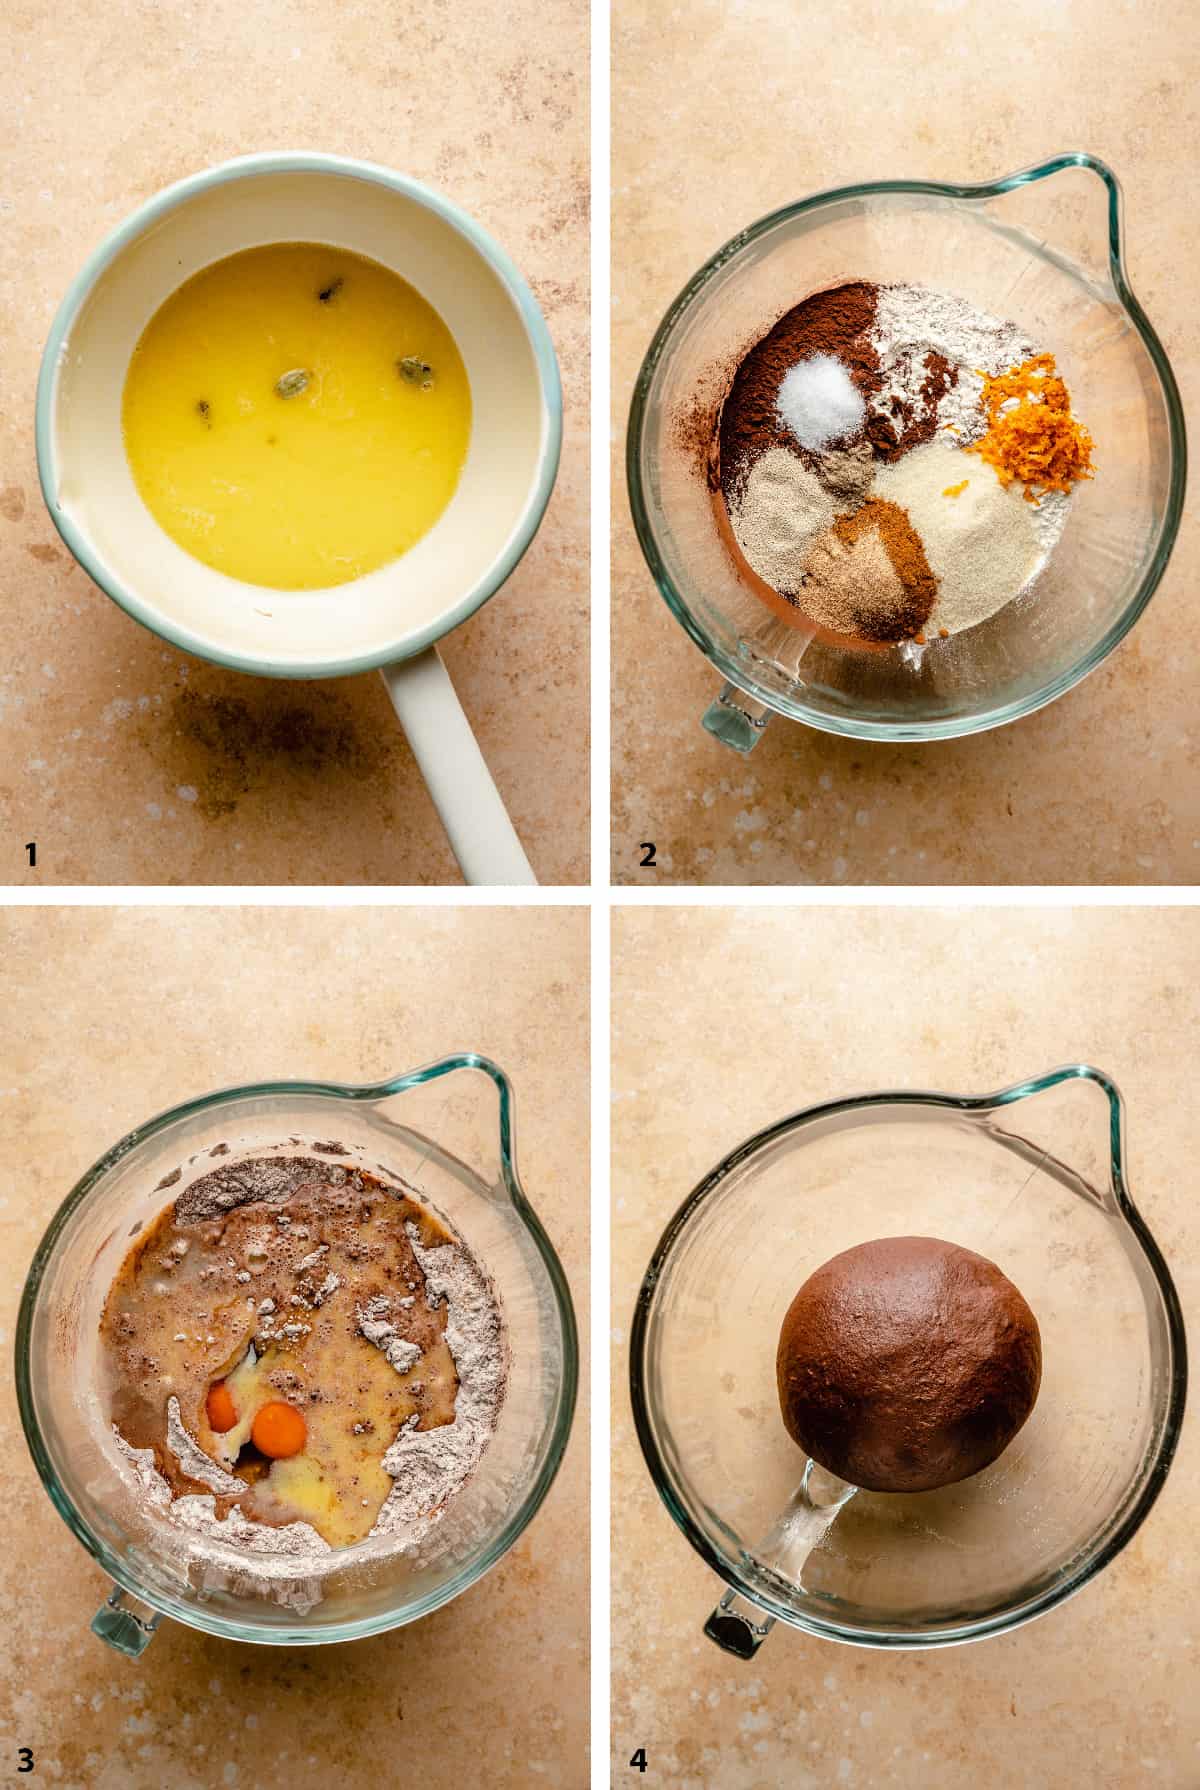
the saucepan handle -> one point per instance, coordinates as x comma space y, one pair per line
481, 835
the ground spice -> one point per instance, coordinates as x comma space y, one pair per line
907, 555
851, 587
1032, 435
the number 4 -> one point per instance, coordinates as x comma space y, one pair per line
639, 1759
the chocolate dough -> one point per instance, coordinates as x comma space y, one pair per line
907, 1363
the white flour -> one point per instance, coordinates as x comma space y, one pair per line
281, 1564
192, 1458
429, 1466
286, 1564
913, 321
377, 1327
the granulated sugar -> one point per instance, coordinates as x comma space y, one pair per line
982, 545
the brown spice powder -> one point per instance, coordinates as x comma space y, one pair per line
907, 555
849, 586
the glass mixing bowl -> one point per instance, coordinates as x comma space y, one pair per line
1032, 1178
1042, 247
446, 1132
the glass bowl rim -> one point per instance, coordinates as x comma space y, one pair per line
958, 727
553, 1448
1025, 1611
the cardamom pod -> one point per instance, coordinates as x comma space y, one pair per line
415, 371
289, 385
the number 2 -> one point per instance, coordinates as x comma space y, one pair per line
647, 863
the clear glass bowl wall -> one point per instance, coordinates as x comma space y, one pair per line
1042, 248
462, 1176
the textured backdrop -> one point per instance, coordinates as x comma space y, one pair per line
111, 1015
126, 761
721, 113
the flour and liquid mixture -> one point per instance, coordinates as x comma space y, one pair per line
296, 1356
890, 464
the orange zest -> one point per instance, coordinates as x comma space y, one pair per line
279, 1431
1031, 434
956, 490
219, 1409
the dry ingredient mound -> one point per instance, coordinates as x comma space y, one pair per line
944, 392
404, 1322
981, 542
901, 607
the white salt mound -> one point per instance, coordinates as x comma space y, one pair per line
819, 402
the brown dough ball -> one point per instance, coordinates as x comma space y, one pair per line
907, 1363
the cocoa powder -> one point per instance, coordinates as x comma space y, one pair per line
694, 430
838, 322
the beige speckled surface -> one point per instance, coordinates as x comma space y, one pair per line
125, 761
493, 1687
1102, 786
727, 1019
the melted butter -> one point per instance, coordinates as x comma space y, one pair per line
325, 484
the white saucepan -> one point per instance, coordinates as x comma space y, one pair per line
392, 618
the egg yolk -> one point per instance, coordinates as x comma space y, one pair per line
279, 1431
219, 1407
